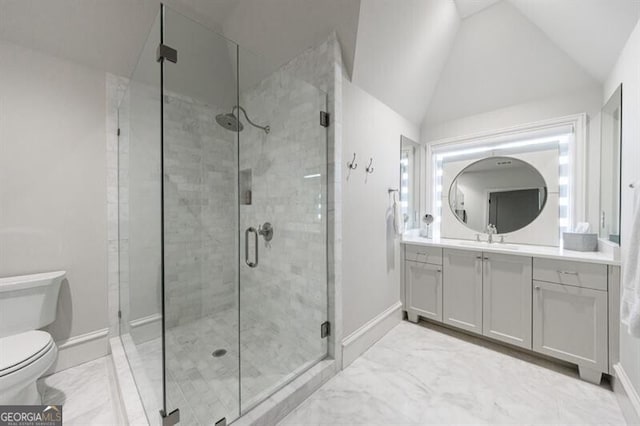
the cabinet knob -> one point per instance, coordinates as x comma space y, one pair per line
537, 287
479, 257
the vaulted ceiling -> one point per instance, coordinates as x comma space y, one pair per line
401, 49
591, 32
407, 53
467, 8
464, 57
110, 34
500, 58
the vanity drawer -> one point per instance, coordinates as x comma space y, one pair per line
579, 274
423, 254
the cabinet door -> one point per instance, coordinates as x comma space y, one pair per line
570, 323
507, 298
424, 290
462, 289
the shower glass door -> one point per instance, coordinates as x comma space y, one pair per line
282, 193
244, 224
200, 198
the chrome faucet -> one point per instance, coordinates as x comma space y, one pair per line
491, 230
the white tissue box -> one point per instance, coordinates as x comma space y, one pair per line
580, 242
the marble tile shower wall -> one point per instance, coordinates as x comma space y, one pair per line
200, 211
138, 221
288, 289
322, 67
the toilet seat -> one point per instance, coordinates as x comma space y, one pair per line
23, 349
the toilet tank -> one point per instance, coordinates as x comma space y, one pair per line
28, 302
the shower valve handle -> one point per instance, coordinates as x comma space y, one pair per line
266, 231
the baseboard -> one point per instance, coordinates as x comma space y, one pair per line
363, 338
146, 328
627, 395
80, 349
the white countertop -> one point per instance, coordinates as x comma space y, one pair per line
413, 237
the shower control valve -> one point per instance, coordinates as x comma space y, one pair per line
266, 231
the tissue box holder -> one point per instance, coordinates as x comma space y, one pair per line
580, 242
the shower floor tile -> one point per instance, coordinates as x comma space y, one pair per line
424, 374
205, 387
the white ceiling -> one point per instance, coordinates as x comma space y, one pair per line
109, 34
592, 32
401, 49
106, 35
499, 59
582, 38
397, 49
467, 8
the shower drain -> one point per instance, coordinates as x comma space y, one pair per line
219, 352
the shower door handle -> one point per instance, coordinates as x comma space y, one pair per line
246, 247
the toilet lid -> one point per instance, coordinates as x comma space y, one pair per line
21, 349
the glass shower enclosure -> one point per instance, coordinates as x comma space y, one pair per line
222, 224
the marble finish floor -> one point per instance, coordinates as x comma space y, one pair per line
205, 387
87, 393
424, 374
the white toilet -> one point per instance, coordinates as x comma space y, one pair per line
27, 303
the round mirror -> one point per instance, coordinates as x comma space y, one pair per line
499, 191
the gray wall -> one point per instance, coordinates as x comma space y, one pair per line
53, 181
371, 253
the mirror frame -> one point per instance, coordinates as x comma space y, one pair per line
576, 150
418, 178
613, 103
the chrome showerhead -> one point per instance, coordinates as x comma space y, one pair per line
230, 122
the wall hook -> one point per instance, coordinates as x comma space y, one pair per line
369, 169
353, 165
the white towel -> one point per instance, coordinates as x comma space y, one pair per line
631, 273
398, 223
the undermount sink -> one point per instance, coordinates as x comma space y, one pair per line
484, 244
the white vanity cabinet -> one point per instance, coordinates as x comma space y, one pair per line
506, 298
488, 294
462, 294
557, 307
423, 282
570, 314
424, 291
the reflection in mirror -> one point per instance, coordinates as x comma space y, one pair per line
410, 160
499, 191
610, 168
